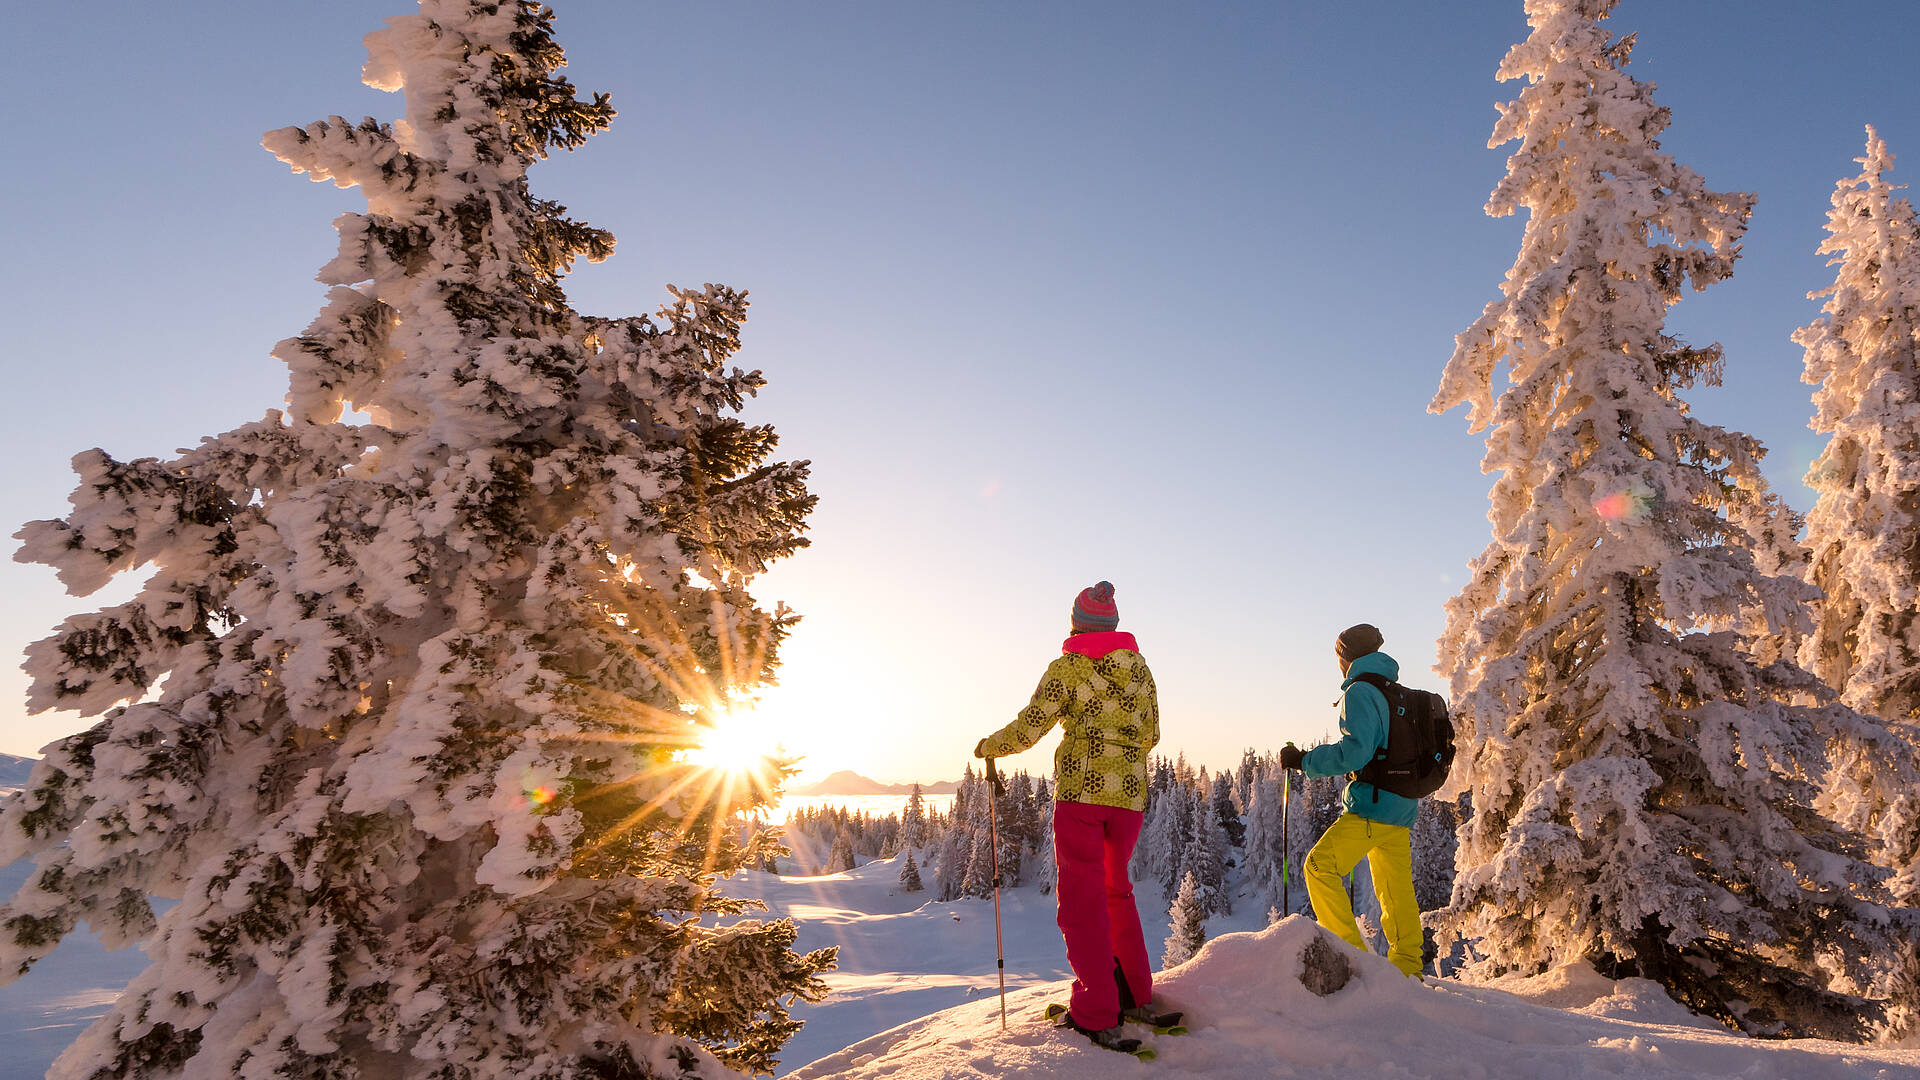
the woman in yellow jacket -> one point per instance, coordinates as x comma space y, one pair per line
1100, 691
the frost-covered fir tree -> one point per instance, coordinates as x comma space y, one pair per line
913, 820
1156, 856
909, 874
1046, 870
1206, 856
840, 857
1433, 843
409, 696
1638, 781
1263, 851
1226, 813
950, 872
1017, 823
979, 879
1864, 355
1188, 924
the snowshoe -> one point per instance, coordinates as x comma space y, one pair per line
1162, 1023
1108, 1039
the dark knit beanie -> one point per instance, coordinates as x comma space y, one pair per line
1357, 641
1093, 609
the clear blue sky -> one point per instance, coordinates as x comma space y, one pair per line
1047, 292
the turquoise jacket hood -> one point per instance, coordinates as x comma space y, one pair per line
1363, 732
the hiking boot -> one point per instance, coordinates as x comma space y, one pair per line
1112, 1038
1150, 1016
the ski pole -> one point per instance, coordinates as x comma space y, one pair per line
993, 837
1286, 793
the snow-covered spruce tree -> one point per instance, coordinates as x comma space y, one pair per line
1864, 355
1263, 851
1189, 924
1046, 871
840, 856
411, 694
1638, 780
1434, 841
1225, 813
950, 873
910, 874
1206, 856
979, 879
913, 820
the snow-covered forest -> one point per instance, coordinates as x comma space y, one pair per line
388, 769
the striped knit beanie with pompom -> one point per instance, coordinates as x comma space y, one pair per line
1093, 609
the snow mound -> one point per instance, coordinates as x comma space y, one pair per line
1251, 1016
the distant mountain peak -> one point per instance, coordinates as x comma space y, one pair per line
848, 782
14, 770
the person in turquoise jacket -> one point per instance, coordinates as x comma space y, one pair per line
1377, 825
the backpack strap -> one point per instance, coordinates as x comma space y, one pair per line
1375, 680
1381, 683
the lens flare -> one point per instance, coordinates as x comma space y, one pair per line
1630, 504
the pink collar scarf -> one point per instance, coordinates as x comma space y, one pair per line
1096, 645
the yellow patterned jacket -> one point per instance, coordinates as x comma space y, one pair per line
1102, 694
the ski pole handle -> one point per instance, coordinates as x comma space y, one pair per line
993, 777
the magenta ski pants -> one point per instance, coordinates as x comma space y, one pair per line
1091, 847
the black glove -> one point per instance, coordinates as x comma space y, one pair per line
1290, 757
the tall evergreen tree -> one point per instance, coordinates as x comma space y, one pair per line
1261, 863
1433, 844
1638, 781
412, 768
1226, 813
913, 820
1863, 353
950, 873
1206, 856
979, 880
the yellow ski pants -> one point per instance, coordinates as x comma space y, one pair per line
1388, 850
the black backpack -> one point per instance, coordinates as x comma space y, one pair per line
1419, 748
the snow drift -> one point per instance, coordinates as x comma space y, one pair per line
1251, 1016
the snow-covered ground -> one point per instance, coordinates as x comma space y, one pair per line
903, 957
1251, 1017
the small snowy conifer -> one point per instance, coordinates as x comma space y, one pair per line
1189, 927
841, 856
909, 874
409, 696
1638, 780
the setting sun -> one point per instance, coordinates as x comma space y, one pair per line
739, 741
